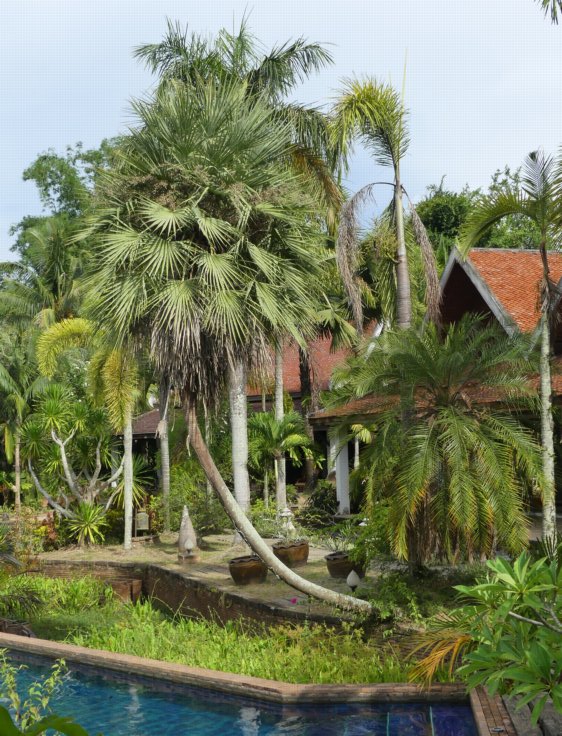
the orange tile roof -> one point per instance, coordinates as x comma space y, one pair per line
513, 276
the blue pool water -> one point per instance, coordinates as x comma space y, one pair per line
120, 708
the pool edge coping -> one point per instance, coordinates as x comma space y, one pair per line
272, 691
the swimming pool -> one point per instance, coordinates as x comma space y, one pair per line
139, 707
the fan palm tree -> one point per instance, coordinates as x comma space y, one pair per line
267, 77
113, 375
374, 112
188, 250
540, 200
271, 439
455, 470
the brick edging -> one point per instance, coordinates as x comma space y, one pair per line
241, 685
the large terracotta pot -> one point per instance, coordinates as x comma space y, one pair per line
292, 554
339, 565
247, 570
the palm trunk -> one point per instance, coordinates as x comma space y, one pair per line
247, 531
403, 298
308, 396
17, 471
128, 479
239, 428
280, 476
266, 489
549, 530
356, 453
164, 452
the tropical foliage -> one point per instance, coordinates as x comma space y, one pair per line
455, 470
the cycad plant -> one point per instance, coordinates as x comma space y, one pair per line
270, 439
454, 466
540, 201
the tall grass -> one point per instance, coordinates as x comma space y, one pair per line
302, 654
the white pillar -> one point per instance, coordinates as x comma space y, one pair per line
342, 476
332, 452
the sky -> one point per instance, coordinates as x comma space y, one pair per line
483, 78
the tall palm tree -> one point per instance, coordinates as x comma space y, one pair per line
540, 200
113, 376
374, 112
455, 470
187, 248
267, 77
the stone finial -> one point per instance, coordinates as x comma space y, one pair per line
187, 542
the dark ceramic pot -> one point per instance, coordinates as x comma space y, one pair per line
293, 554
339, 565
247, 570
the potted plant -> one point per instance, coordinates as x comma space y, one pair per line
247, 570
291, 549
342, 560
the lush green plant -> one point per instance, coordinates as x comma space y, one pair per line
455, 471
188, 487
264, 518
87, 523
31, 715
321, 505
509, 632
373, 538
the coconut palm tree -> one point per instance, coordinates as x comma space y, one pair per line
374, 112
540, 200
455, 470
113, 376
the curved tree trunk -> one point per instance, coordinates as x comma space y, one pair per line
163, 405
280, 476
239, 427
403, 298
245, 528
17, 472
549, 530
128, 479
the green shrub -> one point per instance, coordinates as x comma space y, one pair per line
188, 487
321, 506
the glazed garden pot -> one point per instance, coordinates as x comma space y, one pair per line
339, 565
247, 570
292, 554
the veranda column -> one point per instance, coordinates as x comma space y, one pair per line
342, 475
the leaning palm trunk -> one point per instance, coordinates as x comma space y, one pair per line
403, 298
17, 471
281, 465
239, 427
164, 452
247, 531
549, 530
128, 478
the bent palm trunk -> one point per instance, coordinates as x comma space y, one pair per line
247, 531
549, 530
128, 479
